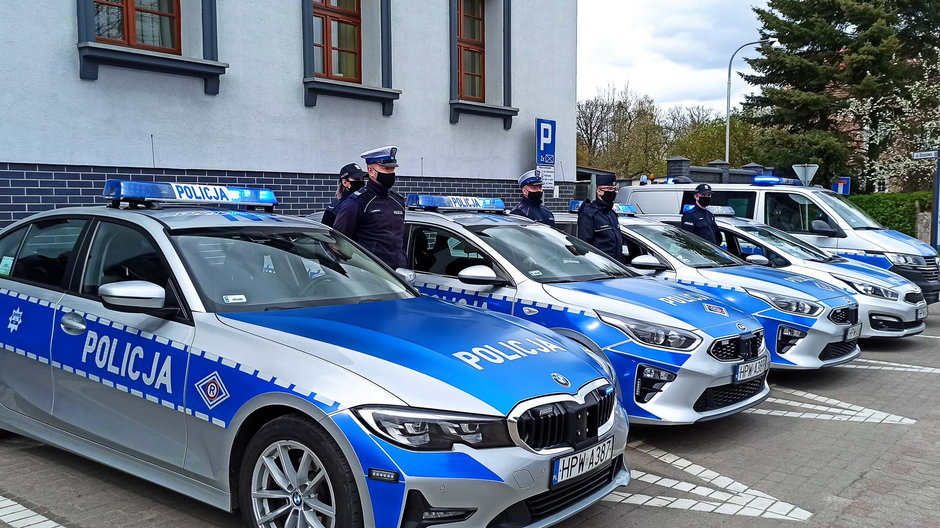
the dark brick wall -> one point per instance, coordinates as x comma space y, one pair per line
30, 188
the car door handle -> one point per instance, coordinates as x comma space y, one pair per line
73, 324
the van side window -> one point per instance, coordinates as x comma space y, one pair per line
741, 201
791, 212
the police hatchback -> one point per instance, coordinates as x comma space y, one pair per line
682, 356
808, 323
266, 363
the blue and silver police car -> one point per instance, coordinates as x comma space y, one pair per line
808, 323
682, 356
266, 363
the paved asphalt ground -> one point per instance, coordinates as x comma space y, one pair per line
855, 446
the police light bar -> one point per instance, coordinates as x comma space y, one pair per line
721, 210
775, 180
455, 203
190, 193
574, 205
619, 208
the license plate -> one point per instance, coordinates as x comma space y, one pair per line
750, 370
576, 464
922, 313
853, 332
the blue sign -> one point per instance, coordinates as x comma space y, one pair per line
842, 185
544, 142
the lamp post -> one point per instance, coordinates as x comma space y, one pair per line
728, 107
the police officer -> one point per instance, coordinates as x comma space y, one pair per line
597, 221
531, 204
374, 216
699, 220
351, 179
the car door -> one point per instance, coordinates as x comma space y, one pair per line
122, 375
34, 265
438, 255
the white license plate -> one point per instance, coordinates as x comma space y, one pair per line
853, 332
750, 370
577, 464
922, 313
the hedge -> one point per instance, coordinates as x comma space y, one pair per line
896, 211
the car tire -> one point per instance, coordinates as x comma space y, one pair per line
317, 482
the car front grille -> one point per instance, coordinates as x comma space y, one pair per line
837, 350
913, 297
725, 395
844, 316
566, 423
930, 271
736, 348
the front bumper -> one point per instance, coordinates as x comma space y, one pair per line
926, 277
503, 486
825, 344
885, 318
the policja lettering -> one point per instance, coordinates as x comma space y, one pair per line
508, 351
127, 363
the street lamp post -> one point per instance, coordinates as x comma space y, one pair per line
728, 106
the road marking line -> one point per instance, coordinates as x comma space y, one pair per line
927, 336
834, 410
19, 516
888, 365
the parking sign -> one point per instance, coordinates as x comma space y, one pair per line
544, 142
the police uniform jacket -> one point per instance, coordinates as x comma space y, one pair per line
329, 216
701, 222
534, 211
375, 218
598, 226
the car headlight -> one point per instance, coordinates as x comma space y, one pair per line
787, 303
867, 288
428, 430
905, 259
653, 334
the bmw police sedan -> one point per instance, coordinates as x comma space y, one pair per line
808, 323
265, 363
682, 356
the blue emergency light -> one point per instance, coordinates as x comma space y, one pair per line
721, 210
619, 208
574, 205
455, 203
189, 193
775, 180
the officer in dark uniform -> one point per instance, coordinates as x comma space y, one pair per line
531, 204
597, 221
699, 220
351, 179
374, 216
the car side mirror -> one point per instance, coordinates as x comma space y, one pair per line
132, 296
759, 260
822, 228
406, 275
480, 274
648, 262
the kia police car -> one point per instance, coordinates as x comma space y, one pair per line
889, 305
808, 323
266, 363
682, 356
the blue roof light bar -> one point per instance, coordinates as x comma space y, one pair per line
619, 208
775, 180
721, 210
455, 203
188, 193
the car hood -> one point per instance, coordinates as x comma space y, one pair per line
894, 242
863, 272
488, 357
652, 300
772, 280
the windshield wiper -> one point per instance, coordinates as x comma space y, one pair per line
276, 307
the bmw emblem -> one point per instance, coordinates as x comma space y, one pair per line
297, 499
561, 380
741, 326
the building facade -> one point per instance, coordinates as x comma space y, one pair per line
280, 93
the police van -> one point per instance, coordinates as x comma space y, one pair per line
682, 356
816, 215
266, 363
808, 323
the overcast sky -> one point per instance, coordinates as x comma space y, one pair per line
675, 51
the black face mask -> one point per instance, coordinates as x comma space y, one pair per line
386, 179
355, 185
704, 201
535, 197
609, 196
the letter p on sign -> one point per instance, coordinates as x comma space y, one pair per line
545, 142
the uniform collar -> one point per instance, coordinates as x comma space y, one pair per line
377, 188
602, 205
527, 201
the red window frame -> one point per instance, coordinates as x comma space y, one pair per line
129, 12
468, 44
329, 14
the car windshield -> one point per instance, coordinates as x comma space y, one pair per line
785, 243
258, 269
848, 211
549, 256
689, 249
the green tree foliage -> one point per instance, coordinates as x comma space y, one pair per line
706, 142
896, 211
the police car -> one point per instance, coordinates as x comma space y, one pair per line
889, 305
808, 323
266, 363
682, 356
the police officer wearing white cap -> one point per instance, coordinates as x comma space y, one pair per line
374, 216
696, 218
531, 204
597, 221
